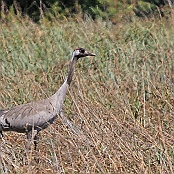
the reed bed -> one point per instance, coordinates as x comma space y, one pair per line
122, 99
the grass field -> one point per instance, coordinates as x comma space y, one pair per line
122, 99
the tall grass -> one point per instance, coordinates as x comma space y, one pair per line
122, 99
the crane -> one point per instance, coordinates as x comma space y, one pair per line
30, 118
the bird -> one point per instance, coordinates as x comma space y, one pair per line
32, 117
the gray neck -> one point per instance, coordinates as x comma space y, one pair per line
58, 98
71, 69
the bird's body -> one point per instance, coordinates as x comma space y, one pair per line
35, 116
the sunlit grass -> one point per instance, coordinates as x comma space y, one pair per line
122, 99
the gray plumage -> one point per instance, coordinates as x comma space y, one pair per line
32, 117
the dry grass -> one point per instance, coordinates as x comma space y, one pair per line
122, 99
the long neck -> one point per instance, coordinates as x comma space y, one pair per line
59, 97
71, 69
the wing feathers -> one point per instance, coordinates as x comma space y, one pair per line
37, 114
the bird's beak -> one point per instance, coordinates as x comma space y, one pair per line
89, 54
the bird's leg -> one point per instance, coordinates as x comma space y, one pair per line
32, 137
1, 135
35, 141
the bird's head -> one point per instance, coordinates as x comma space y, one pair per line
81, 52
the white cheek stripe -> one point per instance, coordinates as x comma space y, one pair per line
76, 52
